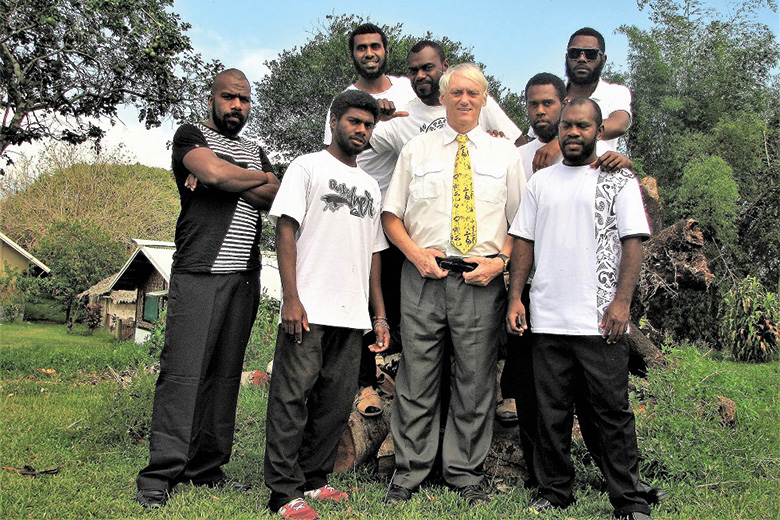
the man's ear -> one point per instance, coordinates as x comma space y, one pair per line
600, 132
333, 122
445, 65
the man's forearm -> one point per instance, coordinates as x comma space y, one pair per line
261, 197
218, 173
522, 261
287, 256
628, 272
376, 299
396, 232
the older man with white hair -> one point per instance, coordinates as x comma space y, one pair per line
447, 209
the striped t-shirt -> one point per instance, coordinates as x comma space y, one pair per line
217, 231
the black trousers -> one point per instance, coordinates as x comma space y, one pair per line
309, 402
565, 366
392, 261
208, 324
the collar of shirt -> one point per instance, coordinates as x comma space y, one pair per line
476, 135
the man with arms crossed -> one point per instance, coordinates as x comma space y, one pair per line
328, 237
582, 230
452, 194
213, 296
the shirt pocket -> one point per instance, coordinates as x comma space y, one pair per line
490, 183
428, 180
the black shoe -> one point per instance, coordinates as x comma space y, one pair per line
542, 504
225, 483
397, 495
636, 515
652, 495
472, 494
152, 498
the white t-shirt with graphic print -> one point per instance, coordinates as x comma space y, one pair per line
337, 208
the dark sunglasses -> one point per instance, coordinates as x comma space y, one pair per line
573, 53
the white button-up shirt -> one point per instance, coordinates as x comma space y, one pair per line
420, 192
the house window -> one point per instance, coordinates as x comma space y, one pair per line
151, 307
153, 303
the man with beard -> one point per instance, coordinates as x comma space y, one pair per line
328, 238
213, 295
580, 297
447, 209
585, 59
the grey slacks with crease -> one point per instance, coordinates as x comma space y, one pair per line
473, 315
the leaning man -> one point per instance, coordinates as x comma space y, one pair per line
447, 209
582, 230
224, 182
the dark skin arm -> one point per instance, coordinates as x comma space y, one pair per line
263, 196
616, 124
217, 173
294, 319
617, 313
522, 262
377, 304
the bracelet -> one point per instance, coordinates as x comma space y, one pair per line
380, 321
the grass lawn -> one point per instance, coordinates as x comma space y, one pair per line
90, 422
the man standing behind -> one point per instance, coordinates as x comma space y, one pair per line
368, 51
213, 296
580, 297
328, 236
452, 194
585, 58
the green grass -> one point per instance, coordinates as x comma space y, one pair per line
92, 427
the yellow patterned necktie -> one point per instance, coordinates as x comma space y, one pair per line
463, 232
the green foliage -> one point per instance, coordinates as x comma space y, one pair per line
156, 340
708, 193
293, 98
80, 60
27, 348
13, 293
750, 322
79, 254
262, 341
704, 86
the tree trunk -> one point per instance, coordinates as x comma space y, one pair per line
363, 437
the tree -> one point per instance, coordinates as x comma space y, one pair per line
79, 253
68, 183
705, 99
292, 100
67, 62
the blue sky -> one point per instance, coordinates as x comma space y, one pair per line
514, 39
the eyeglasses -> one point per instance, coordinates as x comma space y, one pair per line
573, 53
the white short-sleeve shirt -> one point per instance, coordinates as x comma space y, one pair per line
576, 218
420, 192
337, 208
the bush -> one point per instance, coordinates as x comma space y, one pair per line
708, 193
156, 339
749, 322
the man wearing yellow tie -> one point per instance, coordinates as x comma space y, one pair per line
447, 209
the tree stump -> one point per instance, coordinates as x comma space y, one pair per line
363, 437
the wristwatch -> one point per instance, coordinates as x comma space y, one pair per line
505, 259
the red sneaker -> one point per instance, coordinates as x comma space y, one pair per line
298, 509
326, 492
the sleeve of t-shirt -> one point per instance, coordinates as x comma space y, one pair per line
496, 119
620, 99
291, 198
186, 138
630, 210
381, 138
515, 184
265, 163
380, 240
524, 224
327, 136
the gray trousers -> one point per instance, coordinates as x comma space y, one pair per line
472, 315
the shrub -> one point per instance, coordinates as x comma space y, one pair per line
156, 339
749, 322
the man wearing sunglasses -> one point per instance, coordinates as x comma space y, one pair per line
585, 58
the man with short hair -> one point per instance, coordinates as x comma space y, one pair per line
213, 295
585, 58
447, 209
580, 298
328, 238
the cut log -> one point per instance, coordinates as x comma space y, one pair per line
363, 437
674, 259
642, 353
652, 201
